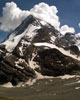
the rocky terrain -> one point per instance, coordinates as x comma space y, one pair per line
35, 46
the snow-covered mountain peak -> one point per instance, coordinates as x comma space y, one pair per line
34, 30
35, 47
31, 27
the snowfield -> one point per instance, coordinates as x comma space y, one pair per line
13, 40
65, 52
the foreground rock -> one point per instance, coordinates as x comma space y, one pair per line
14, 70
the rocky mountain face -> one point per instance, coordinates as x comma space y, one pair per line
36, 46
69, 41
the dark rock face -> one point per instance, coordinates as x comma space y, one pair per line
66, 40
54, 63
14, 71
75, 50
15, 68
43, 35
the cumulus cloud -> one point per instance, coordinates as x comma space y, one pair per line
47, 13
64, 29
78, 34
79, 24
13, 16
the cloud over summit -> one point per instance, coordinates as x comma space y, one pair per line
47, 13
13, 16
64, 29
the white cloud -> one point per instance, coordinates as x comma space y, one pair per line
47, 13
79, 24
78, 34
66, 28
13, 16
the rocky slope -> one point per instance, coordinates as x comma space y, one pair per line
36, 46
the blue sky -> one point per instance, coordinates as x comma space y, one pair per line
68, 11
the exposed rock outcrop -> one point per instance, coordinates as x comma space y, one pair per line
20, 58
53, 63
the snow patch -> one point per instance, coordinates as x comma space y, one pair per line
10, 45
77, 88
17, 63
38, 76
8, 85
22, 48
65, 52
13, 40
53, 39
32, 63
73, 83
21, 51
31, 31
67, 76
30, 82
18, 66
43, 22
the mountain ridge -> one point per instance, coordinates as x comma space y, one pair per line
36, 47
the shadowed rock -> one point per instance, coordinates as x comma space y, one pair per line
54, 63
74, 49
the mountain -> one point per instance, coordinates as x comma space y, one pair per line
36, 48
